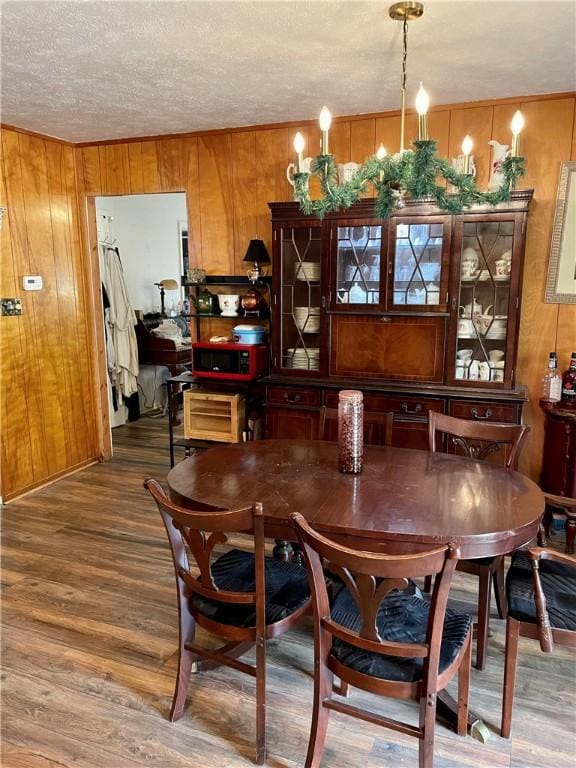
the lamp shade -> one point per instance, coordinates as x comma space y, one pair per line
169, 285
257, 253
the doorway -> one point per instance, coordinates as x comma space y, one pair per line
139, 249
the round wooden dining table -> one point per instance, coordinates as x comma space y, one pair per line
404, 499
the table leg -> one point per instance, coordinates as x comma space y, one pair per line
447, 711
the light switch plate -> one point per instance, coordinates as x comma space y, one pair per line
32, 283
11, 307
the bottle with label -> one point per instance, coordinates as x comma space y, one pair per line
569, 383
552, 381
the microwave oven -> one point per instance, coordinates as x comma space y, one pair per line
236, 362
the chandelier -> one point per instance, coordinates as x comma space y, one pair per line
415, 173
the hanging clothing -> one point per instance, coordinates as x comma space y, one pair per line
121, 321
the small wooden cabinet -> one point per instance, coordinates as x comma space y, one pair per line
559, 460
213, 416
421, 311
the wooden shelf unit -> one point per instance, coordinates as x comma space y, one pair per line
213, 416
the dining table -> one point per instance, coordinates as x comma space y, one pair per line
404, 500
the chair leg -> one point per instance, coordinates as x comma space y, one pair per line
464, 688
187, 630
427, 584
322, 689
484, 592
570, 535
510, 660
498, 578
342, 688
260, 701
427, 724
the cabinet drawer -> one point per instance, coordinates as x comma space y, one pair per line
484, 411
293, 396
402, 406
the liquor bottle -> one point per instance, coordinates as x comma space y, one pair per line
551, 381
569, 383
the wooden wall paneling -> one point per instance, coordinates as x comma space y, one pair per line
16, 469
114, 169
30, 371
169, 153
362, 139
89, 164
566, 334
244, 174
69, 292
85, 405
476, 121
216, 208
150, 174
273, 153
135, 168
191, 183
47, 331
439, 130
546, 141
388, 132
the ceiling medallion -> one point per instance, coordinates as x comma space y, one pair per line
415, 173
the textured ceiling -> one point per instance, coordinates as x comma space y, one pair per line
90, 70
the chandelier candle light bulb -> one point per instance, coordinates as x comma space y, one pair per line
325, 123
516, 128
467, 145
380, 155
299, 148
422, 104
407, 174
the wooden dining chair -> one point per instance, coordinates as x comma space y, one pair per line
378, 425
479, 440
541, 589
381, 637
243, 597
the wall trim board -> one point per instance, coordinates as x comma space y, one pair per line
33, 487
96, 324
35, 134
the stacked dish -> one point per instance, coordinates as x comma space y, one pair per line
307, 270
306, 359
307, 319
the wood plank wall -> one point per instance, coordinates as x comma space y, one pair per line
229, 177
47, 395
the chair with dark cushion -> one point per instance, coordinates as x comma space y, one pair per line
567, 507
479, 440
382, 637
242, 597
541, 589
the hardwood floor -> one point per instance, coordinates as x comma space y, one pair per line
89, 640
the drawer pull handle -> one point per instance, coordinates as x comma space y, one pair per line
406, 409
292, 398
477, 415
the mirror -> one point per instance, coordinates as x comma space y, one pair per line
561, 283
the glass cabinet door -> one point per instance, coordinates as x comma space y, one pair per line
419, 251
356, 258
300, 298
486, 308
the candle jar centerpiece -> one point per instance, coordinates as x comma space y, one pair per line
350, 431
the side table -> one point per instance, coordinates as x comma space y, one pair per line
559, 460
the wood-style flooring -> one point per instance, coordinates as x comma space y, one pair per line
89, 638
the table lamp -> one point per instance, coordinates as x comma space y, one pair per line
165, 285
257, 255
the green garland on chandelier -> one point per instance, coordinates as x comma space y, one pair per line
411, 174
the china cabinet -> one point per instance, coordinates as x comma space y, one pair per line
420, 312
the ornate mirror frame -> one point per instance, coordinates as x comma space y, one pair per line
561, 282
